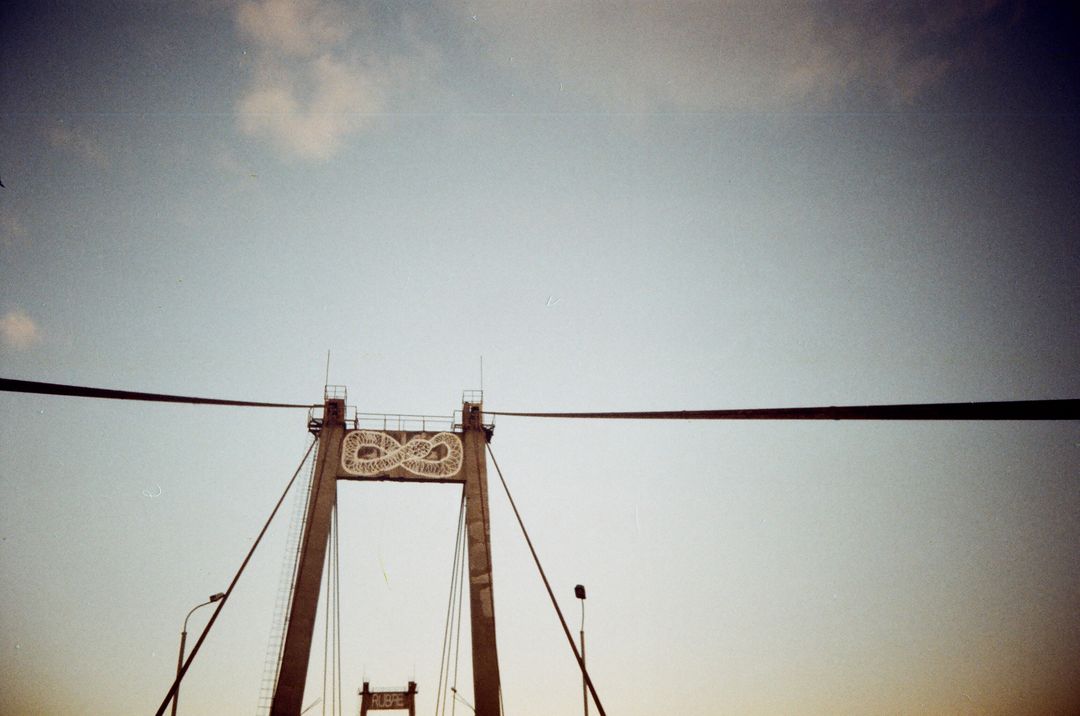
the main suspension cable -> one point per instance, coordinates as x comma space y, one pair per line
78, 391
221, 602
1054, 409
543, 576
1063, 409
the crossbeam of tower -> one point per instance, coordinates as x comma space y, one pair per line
402, 456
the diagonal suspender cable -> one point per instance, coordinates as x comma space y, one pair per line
30, 386
457, 630
1062, 409
332, 631
444, 656
221, 603
329, 619
554, 602
337, 614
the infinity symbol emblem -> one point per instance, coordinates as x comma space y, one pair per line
382, 453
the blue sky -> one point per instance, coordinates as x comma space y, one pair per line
619, 206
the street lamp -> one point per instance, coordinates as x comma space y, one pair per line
579, 592
183, 639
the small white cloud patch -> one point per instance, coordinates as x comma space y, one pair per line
18, 330
78, 143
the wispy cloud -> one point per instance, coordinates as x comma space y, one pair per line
322, 67
312, 87
302, 28
12, 231
18, 330
78, 142
643, 56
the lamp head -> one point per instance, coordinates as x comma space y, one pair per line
217, 597
579, 591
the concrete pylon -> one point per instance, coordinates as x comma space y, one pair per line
486, 685
296, 651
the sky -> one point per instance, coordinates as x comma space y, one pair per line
607, 206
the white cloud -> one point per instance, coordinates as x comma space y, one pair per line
311, 91
77, 142
309, 124
293, 27
18, 330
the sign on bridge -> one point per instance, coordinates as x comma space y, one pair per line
388, 700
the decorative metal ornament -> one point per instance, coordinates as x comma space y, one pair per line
368, 453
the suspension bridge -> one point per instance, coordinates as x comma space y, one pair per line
350, 446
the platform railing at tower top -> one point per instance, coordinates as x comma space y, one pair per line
401, 422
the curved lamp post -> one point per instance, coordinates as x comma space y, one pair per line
183, 639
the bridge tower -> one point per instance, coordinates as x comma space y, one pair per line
351, 453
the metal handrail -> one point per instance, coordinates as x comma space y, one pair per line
403, 422
407, 422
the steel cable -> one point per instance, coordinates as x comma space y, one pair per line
444, 655
221, 603
78, 391
547, 585
1063, 409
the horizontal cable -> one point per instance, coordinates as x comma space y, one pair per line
30, 386
1059, 409
1065, 409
